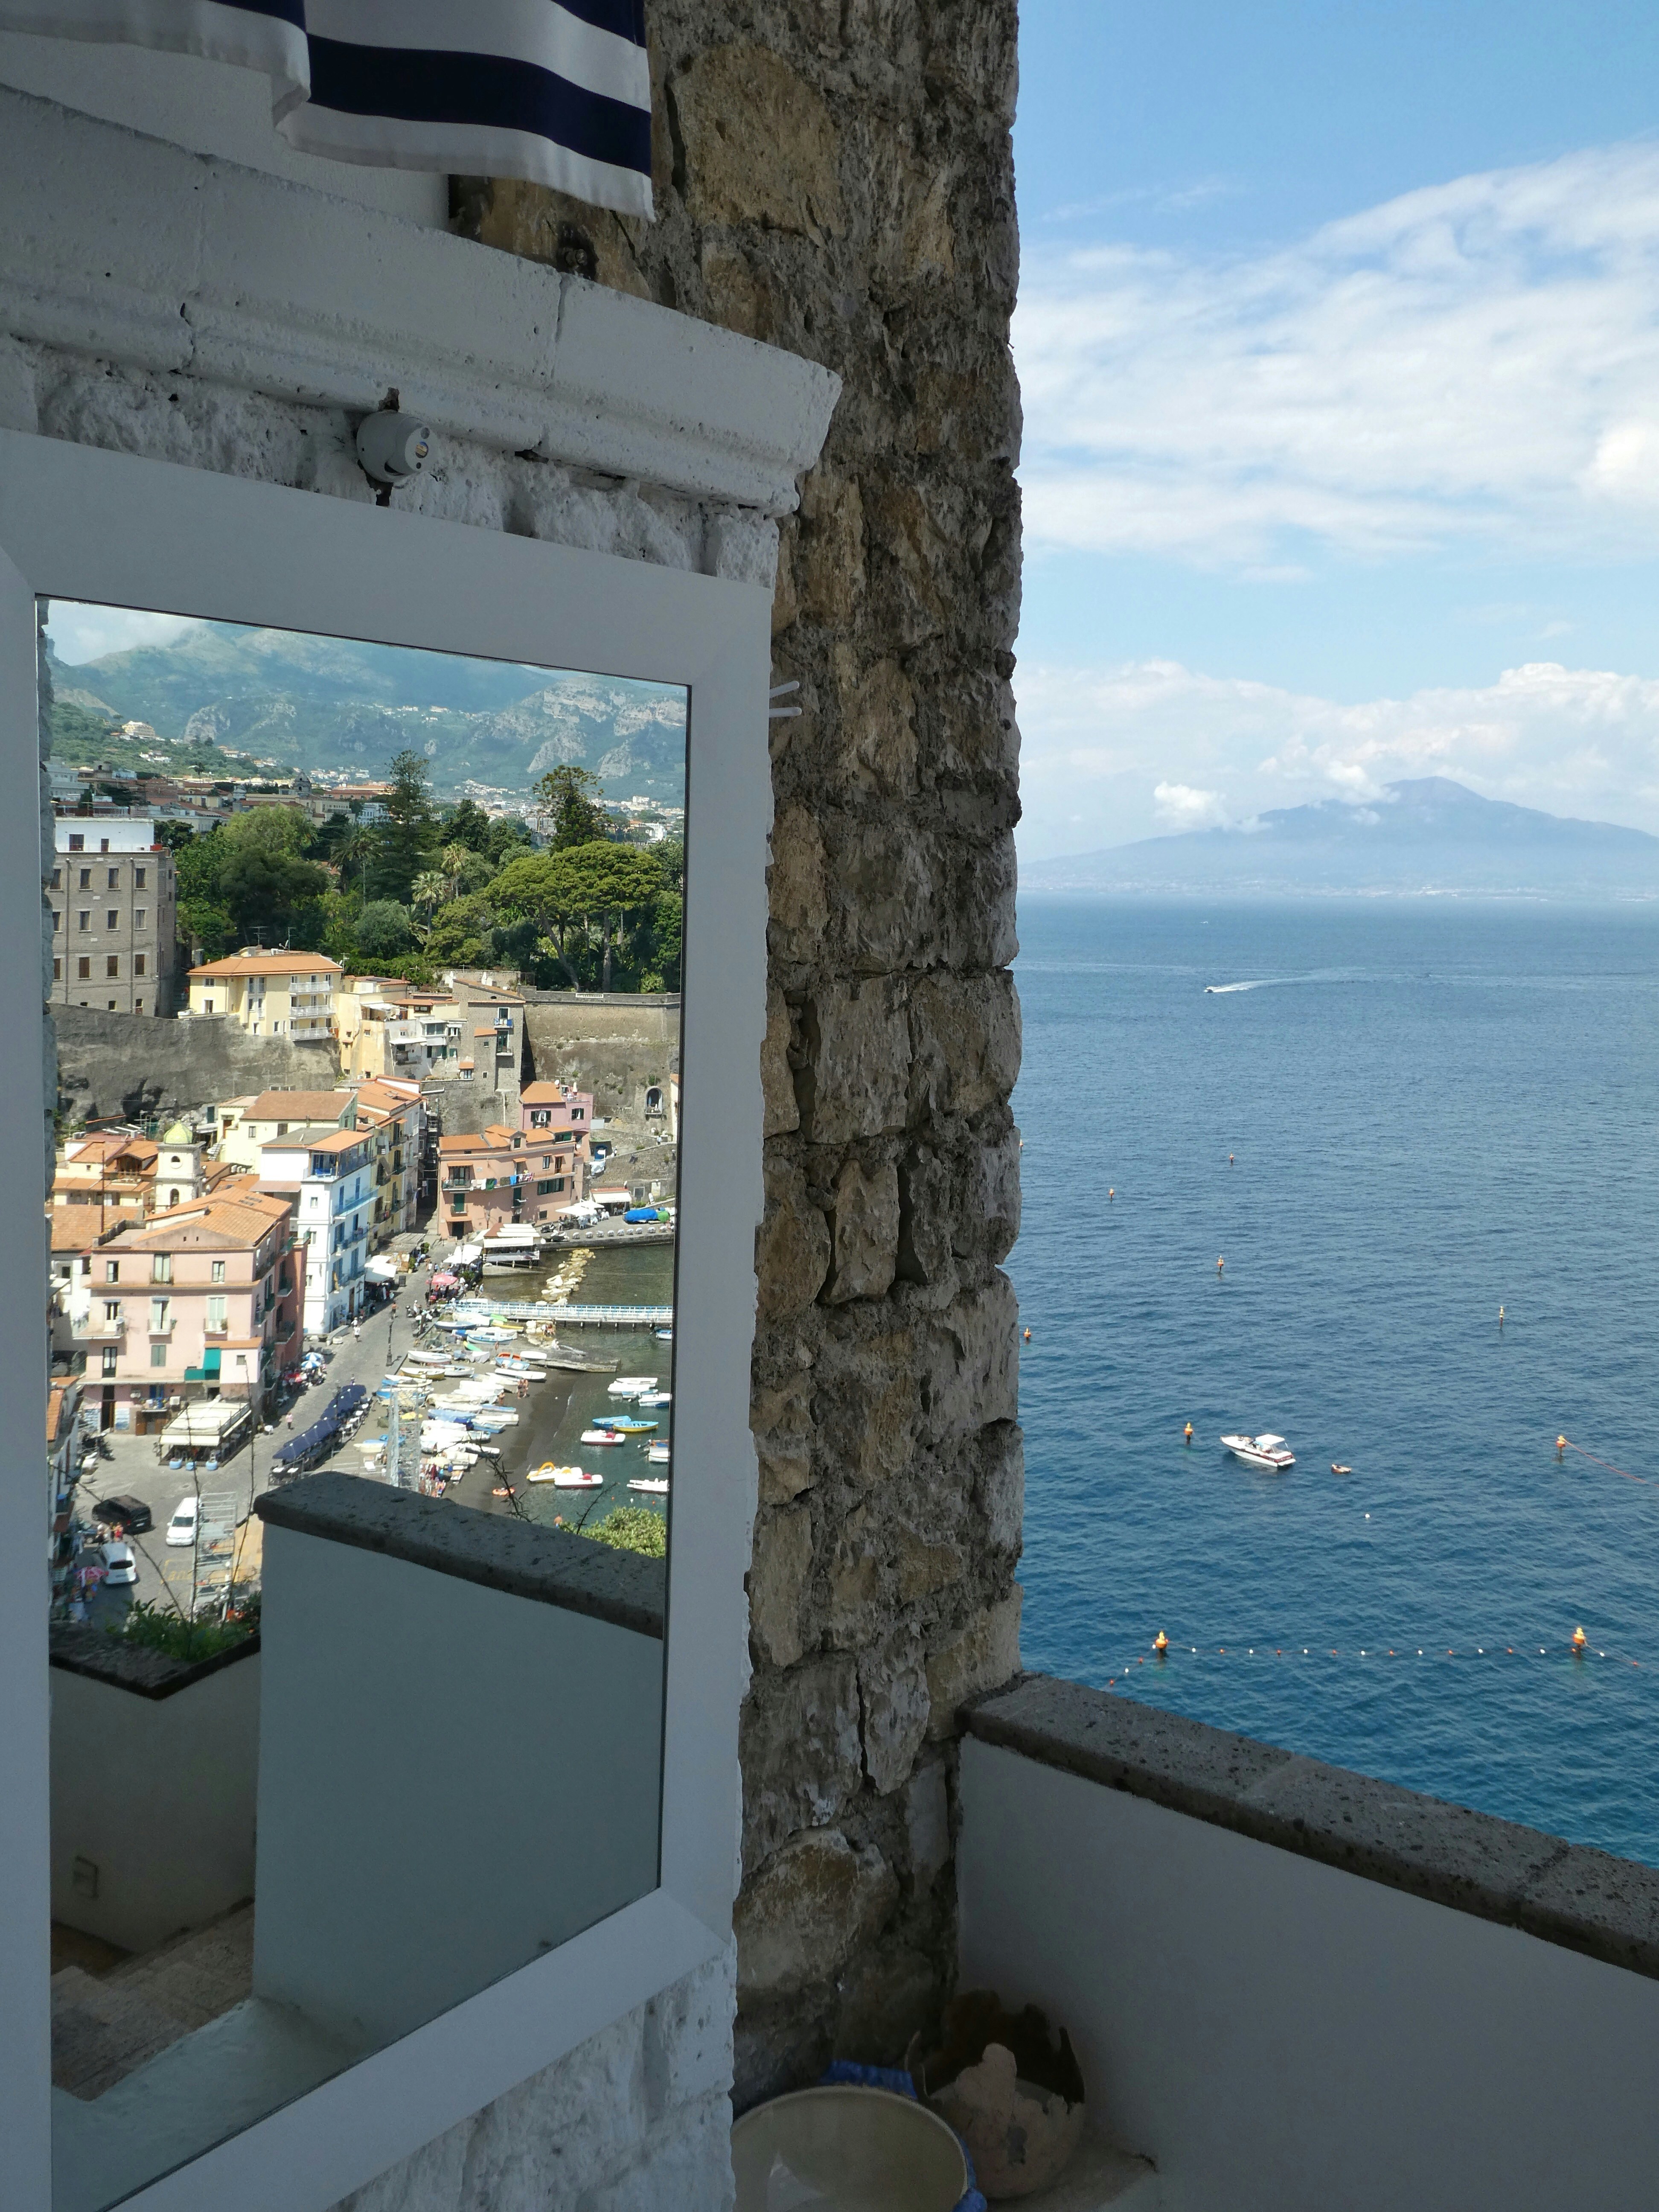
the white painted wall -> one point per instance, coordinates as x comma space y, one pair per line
452, 1781
159, 1794
209, 108
1280, 2037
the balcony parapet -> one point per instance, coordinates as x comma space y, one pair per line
1565, 1893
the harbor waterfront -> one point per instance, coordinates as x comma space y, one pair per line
1390, 1119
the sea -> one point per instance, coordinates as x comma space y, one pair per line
1389, 1119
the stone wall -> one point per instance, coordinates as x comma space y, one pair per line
132, 1065
613, 1045
838, 180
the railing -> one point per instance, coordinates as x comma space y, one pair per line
1294, 1988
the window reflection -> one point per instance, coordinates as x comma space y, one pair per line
360, 1446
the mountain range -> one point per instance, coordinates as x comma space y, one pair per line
1426, 833
304, 701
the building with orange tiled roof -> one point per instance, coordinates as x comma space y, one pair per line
114, 1173
327, 1175
199, 1301
288, 994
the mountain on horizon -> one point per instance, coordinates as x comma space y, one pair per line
1430, 834
304, 701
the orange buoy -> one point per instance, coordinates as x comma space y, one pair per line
1187, 1433
1160, 1644
1580, 1641
1220, 1265
1560, 1447
1028, 1336
1110, 1193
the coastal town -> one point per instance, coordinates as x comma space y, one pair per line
369, 1255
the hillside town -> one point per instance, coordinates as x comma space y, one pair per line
216, 1256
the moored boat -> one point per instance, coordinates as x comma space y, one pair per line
601, 1436
565, 1478
1265, 1451
655, 1486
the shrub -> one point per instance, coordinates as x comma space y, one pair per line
633, 1528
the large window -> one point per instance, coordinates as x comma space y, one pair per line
460, 1524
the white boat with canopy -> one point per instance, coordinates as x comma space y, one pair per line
1265, 1451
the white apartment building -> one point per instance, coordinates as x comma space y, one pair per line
331, 1174
269, 994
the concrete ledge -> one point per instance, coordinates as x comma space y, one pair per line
135, 1667
1585, 1900
520, 1559
123, 245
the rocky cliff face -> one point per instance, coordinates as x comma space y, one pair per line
838, 180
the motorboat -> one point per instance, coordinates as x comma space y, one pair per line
664, 1335
601, 1436
658, 1453
656, 1486
1265, 1451
565, 1478
652, 1402
631, 1386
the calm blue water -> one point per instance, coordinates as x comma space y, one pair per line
1433, 1111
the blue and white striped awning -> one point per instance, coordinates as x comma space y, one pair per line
556, 91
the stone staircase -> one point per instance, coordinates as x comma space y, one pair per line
105, 2026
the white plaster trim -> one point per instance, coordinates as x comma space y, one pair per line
79, 522
120, 246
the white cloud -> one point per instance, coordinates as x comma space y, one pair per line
82, 632
1476, 362
1113, 754
1179, 806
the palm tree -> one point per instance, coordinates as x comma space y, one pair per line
428, 892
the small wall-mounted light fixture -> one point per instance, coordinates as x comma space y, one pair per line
392, 447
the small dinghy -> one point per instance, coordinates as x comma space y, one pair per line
655, 1485
602, 1437
565, 1478
631, 1386
1341, 1467
1265, 1451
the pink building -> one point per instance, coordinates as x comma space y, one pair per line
557, 1123
190, 1304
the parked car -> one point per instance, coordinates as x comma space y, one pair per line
181, 1529
119, 1566
129, 1514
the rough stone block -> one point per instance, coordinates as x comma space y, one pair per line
973, 1361
878, 726
830, 571
927, 1822
791, 1245
964, 1043
798, 909
984, 1655
779, 1107
760, 144
865, 1232
866, 1401
994, 1194
884, 873
1001, 1486
893, 1699
777, 1583
887, 1997
807, 1910
799, 1745
856, 1077
781, 1420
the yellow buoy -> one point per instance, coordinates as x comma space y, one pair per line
1220, 1265
1187, 1432
1160, 1644
1580, 1641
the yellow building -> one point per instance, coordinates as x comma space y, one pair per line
269, 994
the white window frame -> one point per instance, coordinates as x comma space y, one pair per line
76, 523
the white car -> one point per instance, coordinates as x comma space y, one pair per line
119, 1566
181, 1529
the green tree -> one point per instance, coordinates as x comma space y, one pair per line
247, 881
507, 838
585, 898
406, 841
461, 934
382, 930
571, 809
462, 869
663, 933
467, 824
426, 894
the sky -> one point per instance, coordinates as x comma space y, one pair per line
1337, 337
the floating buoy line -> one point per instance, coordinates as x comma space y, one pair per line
1577, 1647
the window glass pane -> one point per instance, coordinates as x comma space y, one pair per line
408, 876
